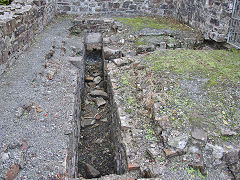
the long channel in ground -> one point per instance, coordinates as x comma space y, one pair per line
100, 150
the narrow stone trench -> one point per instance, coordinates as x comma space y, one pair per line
96, 155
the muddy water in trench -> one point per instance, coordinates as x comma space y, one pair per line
95, 149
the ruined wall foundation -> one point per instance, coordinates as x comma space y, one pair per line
19, 24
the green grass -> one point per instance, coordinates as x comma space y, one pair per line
217, 65
5, 2
139, 23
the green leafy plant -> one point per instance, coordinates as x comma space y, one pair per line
5, 2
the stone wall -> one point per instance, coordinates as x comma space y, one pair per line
212, 17
19, 23
159, 7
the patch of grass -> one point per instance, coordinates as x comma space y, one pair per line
195, 173
131, 100
217, 65
139, 23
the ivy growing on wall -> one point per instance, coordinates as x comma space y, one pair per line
5, 2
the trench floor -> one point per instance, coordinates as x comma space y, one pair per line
95, 146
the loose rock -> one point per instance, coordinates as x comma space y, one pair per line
99, 93
100, 101
91, 171
89, 78
228, 132
199, 134
87, 122
179, 142
121, 61
19, 112
111, 53
97, 80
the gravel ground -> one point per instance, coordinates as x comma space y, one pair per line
41, 92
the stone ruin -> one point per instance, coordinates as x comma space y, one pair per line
22, 20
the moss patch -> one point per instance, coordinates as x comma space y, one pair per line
217, 65
139, 23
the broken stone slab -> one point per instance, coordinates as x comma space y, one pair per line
162, 45
133, 166
145, 48
231, 157
170, 46
97, 80
228, 132
93, 41
76, 61
178, 142
100, 101
199, 134
172, 153
124, 123
89, 78
163, 121
87, 122
122, 61
216, 151
157, 170
194, 150
153, 152
99, 93
91, 171
110, 54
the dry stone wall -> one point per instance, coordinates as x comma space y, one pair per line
212, 17
19, 23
